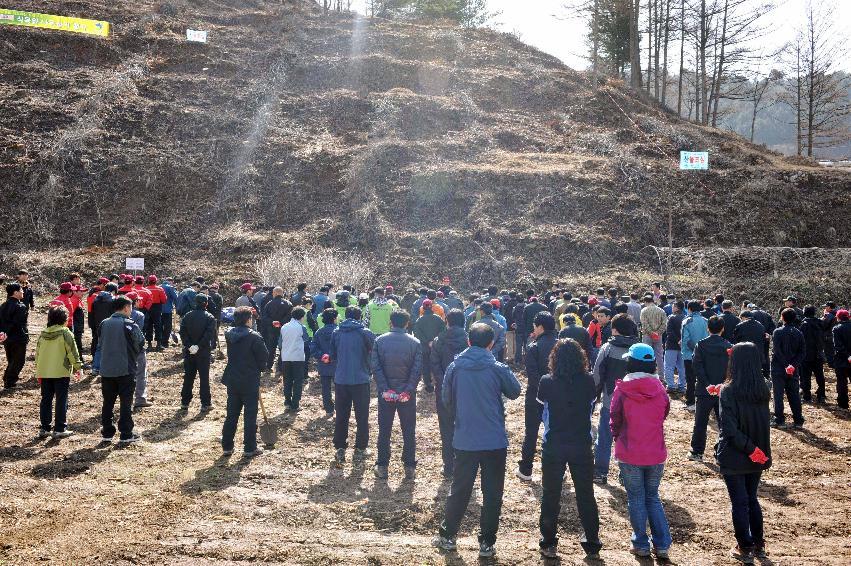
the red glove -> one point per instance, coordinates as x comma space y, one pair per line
404, 397
714, 389
790, 370
654, 335
758, 456
389, 396
849, 359
326, 359
276, 323
729, 351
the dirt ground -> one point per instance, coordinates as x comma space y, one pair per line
173, 498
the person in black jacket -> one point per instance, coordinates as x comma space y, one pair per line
24, 281
276, 313
533, 307
517, 322
537, 361
710, 368
842, 356
576, 332
743, 451
767, 322
730, 320
447, 345
673, 352
811, 328
396, 361
246, 359
214, 306
752, 330
787, 355
197, 332
14, 315
567, 395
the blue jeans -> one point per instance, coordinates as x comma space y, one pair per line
603, 446
674, 359
96, 361
747, 514
642, 493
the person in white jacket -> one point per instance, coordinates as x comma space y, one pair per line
293, 337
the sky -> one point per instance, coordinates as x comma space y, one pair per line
547, 26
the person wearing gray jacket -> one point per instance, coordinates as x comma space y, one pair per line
120, 340
499, 332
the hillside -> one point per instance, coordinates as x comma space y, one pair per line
430, 149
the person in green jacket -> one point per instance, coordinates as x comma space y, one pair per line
56, 359
377, 313
426, 329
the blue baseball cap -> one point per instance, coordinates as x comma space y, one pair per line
640, 352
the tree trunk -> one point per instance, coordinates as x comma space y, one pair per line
595, 38
682, 57
720, 66
649, 42
665, 52
634, 53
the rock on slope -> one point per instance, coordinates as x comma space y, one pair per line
432, 149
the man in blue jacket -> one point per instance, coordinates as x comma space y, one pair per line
351, 344
320, 349
396, 362
787, 355
472, 390
694, 330
168, 312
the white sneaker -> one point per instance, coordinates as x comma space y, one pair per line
522, 476
63, 434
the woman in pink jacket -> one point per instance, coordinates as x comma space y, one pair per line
640, 406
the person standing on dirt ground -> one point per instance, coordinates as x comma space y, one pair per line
14, 332
320, 349
79, 317
537, 359
120, 342
247, 357
787, 355
768, 324
24, 281
396, 362
154, 320
639, 409
743, 451
293, 336
451, 342
214, 307
842, 356
351, 345
567, 395
710, 369
168, 313
90, 300
276, 313
751, 330
813, 331
472, 391
426, 329
101, 310
673, 353
694, 329
828, 321
520, 336
141, 376
56, 360
197, 332
653, 326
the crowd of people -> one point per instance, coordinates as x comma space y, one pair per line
631, 354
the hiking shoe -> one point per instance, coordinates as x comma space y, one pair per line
640, 552
410, 473
207, 408
361, 453
760, 552
523, 477
380, 472
486, 550
256, 452
779, 426
184, 407
340, 456
329, 414
592, 555
142, 404
690, 408
42, 434
63, 434
443, 543
797, 426
550, 551
130, 440
661, 553
227, 452
600, 480
745, 556
695, 457
106, 440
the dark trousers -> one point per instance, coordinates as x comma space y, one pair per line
16, 355
808, 369
270, 336
407, 420
519, 345
789, 386
327, 392
198, 364
747, 513
427, 378
346, 397
704, 406
580, 462
154, 325
446, 423
120, 388
690, 380
58, 389
244, 401
843, 375
78, 339
533, 415
168, 324
467, 465
293, 382
94, 347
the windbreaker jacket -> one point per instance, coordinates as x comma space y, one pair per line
13, 321
639, 408
788, 350
321, 345
351, 345
472, 390
428, 327
842, 344
498, 333
247, 356
694, 330
710, 363
170, 298
56, 353
120, 340
813, 332
396, 361
673, 331
537, 362
198, 328
751, 330
610, 365
293, 338
445, 348
578, 333
745, 426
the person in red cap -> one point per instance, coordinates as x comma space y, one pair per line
154, 318
79, 318
842, 355
247, 300
66, 292
128, 284
390, 295
93, 293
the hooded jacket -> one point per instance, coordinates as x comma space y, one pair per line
751, 330
694, 330
472, 391
119, 341
745, 425
397, 361
498, 333
351, 345
445, 348
813, 332
789, 350
610, 365
56, 353
321, 345
198, 328
639, 408
13, 321
428, 327
710, 363
247, 356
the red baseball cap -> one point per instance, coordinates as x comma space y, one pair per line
843, 314
81, 288
67, 286
495, 303
127, 278
140, 279
592, 301
247, 287
103, 281
389, 288
427, 303
153, 278
132, 295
